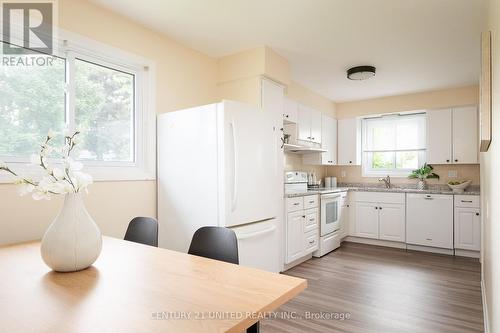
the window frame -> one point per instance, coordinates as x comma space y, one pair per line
71, 46
366, 155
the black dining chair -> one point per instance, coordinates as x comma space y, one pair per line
143, 230
215, 243
220, 244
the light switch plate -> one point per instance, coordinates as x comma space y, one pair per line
343, 174
452, 174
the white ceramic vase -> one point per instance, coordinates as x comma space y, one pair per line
421, 184
73, 241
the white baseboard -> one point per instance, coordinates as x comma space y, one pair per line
297, 262
429, 249
467, 253
377, 242
485, 308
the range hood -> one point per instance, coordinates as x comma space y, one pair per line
299, 149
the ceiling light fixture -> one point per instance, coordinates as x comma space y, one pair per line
360, 73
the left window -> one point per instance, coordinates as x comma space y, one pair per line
107, 100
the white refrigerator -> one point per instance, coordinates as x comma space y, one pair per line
217, 166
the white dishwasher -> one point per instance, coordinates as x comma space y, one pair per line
429, 220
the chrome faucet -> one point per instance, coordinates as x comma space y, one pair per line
386, 180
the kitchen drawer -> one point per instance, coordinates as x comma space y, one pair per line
311, 241
311, 220
311, 201
380, 197
467, 201
294, 204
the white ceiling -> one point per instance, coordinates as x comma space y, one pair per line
416, 45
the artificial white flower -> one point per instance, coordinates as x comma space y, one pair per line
81, 179
35, 159
51, 134
3, 165
25, 188
66, 132
39, 195
73, 165
58, 173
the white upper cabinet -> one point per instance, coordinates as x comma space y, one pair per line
272, 97
328, 142
452, 136
309, 124
291, 111
304, 123
349, 142
465, 135
316, 122
439, 136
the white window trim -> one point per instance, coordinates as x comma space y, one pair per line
395, 173
144, 166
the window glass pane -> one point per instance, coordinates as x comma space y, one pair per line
32, 102
104, 113
383, 160
407, 160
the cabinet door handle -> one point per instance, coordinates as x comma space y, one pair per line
287, 116
447, 161
311, 242
350, 162
477, 214
429, 198
303, 216
312, 220
429, 239
380, 208
311, 202
469, 201
456, 160
295, 203
376, 207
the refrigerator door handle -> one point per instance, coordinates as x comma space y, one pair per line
235, 175
257, 233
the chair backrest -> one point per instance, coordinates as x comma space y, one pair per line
215, 243
143, 230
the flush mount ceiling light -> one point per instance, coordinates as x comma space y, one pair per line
360, 72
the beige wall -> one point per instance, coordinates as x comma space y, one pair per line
184, 78
410, 102
490, 187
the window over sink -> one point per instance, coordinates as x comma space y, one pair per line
394, 144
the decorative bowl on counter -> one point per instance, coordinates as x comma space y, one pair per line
460, 186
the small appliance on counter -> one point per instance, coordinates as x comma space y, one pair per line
312, 181
296, 182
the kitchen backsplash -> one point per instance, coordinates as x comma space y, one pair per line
353, 174
293, 162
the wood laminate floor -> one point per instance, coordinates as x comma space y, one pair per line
384, 290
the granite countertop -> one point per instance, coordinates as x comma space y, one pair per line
343, 187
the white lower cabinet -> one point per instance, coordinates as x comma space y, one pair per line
294, 236
345, 216
383, 219
302, 227
366, 220
392, 226
467, 223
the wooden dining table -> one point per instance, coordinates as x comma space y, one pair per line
136, 288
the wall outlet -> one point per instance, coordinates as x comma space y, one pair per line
452, 174
343, 173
